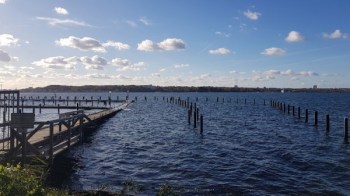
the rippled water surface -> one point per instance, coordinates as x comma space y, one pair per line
250, 149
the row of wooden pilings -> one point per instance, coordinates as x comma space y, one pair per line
291, 109
192, 110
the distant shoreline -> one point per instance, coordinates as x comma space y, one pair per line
151, 88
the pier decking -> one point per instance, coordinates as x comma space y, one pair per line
49, 138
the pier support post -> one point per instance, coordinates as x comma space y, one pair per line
346, 130
58, 108
293, 110
327, 122
24, 146
189, 116
40, 108
201, 123
194, 119
316, 118
81, 129
306, 115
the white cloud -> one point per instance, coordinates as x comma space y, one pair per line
308, 73
56, 21
131, 23
337, 34
8, 40
273, 51
116, 45
166, 45
227, 35
233, 72
58, 62
162, 70
145, 21
3, 1
221, 51
95, 62
252, 15
125, 65
294, 36
181, 65
4, 56
61, 11
98, 76
84, 44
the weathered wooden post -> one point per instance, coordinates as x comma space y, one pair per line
33, 109
284, 108
81, 128
327, 122
77, 106
51, 144
201, 123
69, 133
58, 108
217, 99
189, 116
306, 115
197, 114
299, 112
316, 118
293, 110
346, 130
194, 119
24, 144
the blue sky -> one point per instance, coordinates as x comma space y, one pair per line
270, 43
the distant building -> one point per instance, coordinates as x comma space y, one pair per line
236, 86
314, 87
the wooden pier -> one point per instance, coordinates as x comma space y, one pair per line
49, 138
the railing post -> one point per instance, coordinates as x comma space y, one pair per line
69, 133
81, 128
51, 144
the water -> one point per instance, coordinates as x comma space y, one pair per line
245, 148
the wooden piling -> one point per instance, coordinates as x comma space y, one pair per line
189, 116
24, 145
194, 119
201, 123
316, 118
306, 115
346, 130
51, 144
293, 110
327, 123
58, 108
299, 112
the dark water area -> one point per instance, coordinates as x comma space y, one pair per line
246, 149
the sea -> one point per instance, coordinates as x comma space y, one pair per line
247, 147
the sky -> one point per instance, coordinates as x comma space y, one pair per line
248, 43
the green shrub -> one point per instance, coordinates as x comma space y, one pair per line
17, 180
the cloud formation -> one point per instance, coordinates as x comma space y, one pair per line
220, 51
125, 65
252, 15
3, 1
168, 44
145, 21
61, 11
8, 40
116, 45
84, 44
337, 34
68, 22
294, 36
57, 62
4, 56
95, 62
181, 65
273, 51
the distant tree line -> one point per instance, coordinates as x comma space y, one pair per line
151, 88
